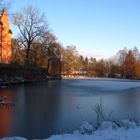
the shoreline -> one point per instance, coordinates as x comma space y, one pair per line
6, 84
99, 78
12, 74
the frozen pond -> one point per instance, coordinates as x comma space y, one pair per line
43, 109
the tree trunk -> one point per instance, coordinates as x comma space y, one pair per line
27, 55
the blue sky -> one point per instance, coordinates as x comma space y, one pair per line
98, 28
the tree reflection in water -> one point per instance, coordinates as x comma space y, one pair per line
42, 109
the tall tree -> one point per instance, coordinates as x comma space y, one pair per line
31, 24
100, 68
129, 63
69, 60
81, 62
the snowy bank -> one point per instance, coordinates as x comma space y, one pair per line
119, 134
128, 130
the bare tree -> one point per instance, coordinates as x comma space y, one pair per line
47, 41
31, 24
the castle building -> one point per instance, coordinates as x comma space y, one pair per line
5, 38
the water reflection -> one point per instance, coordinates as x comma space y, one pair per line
42, 106
35, 112
5, 112
19, 125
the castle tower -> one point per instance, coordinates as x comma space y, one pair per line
5, 39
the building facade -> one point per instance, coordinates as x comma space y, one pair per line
5, 38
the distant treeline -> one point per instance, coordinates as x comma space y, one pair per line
125, 64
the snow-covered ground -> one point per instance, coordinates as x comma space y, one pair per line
124, 130
127, 130
120, 134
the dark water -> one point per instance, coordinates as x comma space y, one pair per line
43, 109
